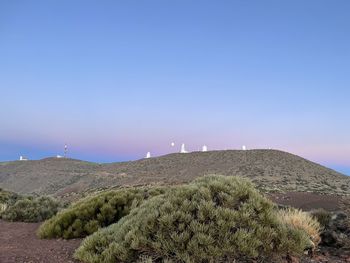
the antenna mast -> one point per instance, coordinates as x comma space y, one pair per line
65, 150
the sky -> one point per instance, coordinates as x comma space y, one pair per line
116, 79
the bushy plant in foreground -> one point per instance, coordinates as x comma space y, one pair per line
8, 198
323, 217
213, 219
88, 215
302, 220
31, 209
3, 207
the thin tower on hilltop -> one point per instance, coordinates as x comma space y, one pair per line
65, 150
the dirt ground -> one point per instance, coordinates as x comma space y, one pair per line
19, 244
307, 201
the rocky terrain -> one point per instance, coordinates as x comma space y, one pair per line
270, 170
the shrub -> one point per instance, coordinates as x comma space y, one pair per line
213, 219
89, 214
8, 198
304, 221
3, 207
323, 217
31, 209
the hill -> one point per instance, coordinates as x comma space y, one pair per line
270, 170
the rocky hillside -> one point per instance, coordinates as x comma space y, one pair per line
270, 170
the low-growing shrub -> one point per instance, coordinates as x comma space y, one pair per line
3, 207
323, 217
31, 209
304, 221
8, 198
89, 214
213, 219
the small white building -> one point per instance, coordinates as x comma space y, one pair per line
183, 149
204, 148
148, 155
244, 148
23, 158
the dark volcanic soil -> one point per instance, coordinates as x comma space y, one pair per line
19, 244
307, 201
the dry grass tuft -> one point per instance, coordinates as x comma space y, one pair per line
298, 219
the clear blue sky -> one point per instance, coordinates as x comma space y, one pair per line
115, 79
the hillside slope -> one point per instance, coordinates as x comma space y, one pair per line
269, 169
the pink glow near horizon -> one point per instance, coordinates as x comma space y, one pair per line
138, 149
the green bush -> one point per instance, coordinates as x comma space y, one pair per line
89, 214
213, 219
8, 198
3, 207
323, 217
31, 209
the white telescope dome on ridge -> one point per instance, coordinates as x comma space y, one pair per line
183, 149
148, 155
244, 148
204, 148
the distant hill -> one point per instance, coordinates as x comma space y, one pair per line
269, 169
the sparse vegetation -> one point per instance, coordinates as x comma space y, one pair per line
31, 209
272, 170
213, 219
89, 214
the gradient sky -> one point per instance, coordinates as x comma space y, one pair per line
115, 79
